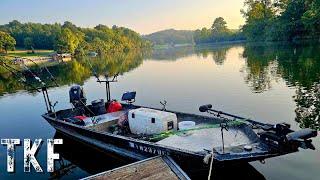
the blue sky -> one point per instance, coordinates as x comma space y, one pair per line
143, 16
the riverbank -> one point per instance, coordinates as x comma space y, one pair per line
28, 53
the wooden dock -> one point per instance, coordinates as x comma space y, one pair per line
155, 168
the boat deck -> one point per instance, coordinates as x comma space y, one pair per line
155, 168
205, 136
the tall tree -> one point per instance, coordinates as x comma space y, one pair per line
67, 41
6, 42
259, 15
28, 43
311, 18
219, 25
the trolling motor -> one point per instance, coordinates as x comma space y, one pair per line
279, 135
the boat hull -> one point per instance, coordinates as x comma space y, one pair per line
126, 147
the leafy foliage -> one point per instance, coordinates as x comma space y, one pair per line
28, 43
68, 41
72, 39
6, 42
217, 33
281, 20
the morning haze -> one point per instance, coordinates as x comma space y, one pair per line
143, 16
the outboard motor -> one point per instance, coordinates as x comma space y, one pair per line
77, 96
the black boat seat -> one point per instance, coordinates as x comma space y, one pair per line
302, 134
130, 97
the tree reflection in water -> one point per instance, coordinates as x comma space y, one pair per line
298, 65
76, 71
308, 106
218, 53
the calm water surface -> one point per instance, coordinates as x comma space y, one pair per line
274, 83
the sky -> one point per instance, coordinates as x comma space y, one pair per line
143, 16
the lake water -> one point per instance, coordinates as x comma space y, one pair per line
269, 83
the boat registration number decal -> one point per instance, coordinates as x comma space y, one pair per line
148, 149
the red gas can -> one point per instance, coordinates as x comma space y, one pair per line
114, 106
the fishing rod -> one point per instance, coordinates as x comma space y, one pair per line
106, 81
44, 90
279, 128
217, 113
15, 73
47, 70
93, 70
52, 78
44, 87
36, 77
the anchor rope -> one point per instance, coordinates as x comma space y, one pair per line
211, 164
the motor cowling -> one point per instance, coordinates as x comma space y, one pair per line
77, 96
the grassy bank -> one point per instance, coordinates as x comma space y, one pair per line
27, 53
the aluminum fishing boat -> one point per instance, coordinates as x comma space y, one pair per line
217, 136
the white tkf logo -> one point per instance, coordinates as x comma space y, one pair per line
30, 153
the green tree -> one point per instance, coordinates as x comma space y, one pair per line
6, 42
219, 25
311, 18
28, 43
67, 41
279, 20
259, 15
218, 33
291, 19
70, 38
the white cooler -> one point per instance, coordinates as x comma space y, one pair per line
151, 121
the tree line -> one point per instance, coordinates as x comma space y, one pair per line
170, 36
268, 20
219, 32
68, 38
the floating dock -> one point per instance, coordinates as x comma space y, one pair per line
155, 168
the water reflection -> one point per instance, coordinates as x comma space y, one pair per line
75, 71
308, 106
298, 65
218, 53
264, 66
261, 68
172, 54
